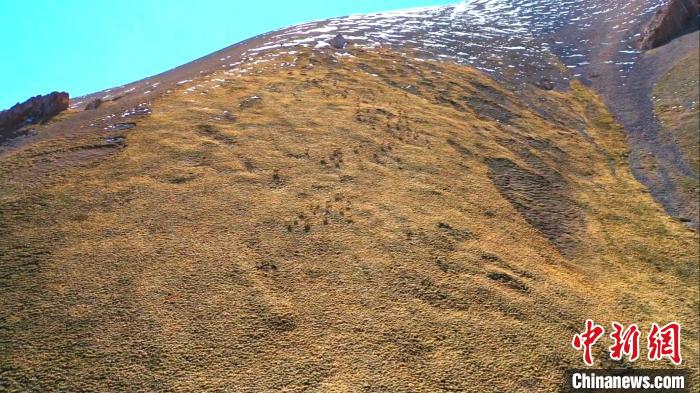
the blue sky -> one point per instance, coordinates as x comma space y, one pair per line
83, 46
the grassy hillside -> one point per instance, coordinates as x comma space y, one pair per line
677, 96
316, 222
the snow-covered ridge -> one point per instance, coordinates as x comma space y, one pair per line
509, 39
517, 42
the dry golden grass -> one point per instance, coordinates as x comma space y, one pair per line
677, 99
343, 233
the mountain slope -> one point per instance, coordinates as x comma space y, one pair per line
325, 220
517, 42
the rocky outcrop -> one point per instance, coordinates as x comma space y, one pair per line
94, 104
338, 42
35, 110
677, 18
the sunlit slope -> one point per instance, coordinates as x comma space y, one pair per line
362, 223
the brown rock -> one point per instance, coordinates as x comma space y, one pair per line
94, 104
677, 18
37, 109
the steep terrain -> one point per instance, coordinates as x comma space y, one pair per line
438, 207
517, 42
678, 17
676, 99
319, 221
39, 109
